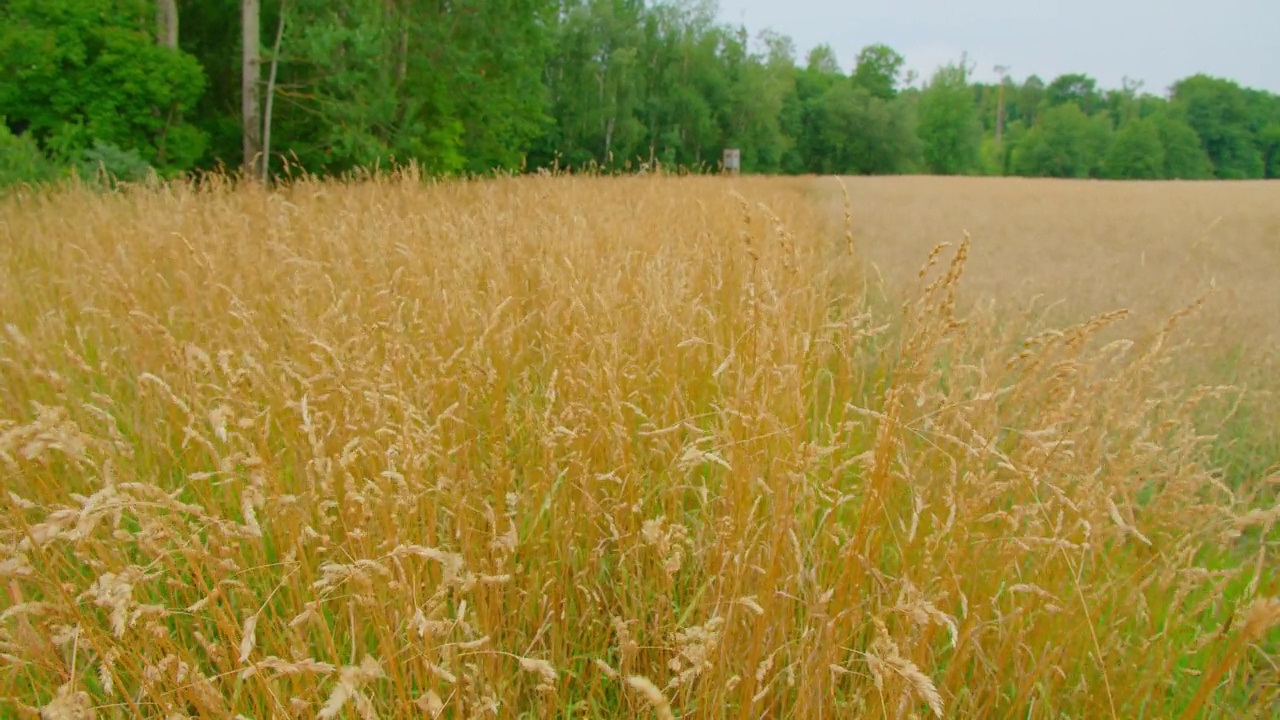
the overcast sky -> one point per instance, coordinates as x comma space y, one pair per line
1156, 41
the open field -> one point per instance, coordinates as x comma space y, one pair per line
1090, 247
1070, 250
585, 447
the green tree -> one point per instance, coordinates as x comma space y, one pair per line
1125, 103
991, 156
1098, 139
80, 72
598, 80
1219, 113
860, 134
211, 33
1025, 103
503, 100
1065, 143
1137, 153
453, 87
822, 59
806, 111
1074, 88
478, 85
1264, 124
758, 85
1269, 139
879, 71
949, 127
698, 84
1014, 133
1184, 155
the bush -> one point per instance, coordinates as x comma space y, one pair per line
107, 164
21, 161
102, 164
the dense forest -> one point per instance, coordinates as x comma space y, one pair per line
474, 86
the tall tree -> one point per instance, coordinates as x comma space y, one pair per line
1218, 111
167, 23
500, 49
1026, 102
879, 71
1124, 103
804, 118
950, 129
1076, 88
599, 79
1065, 143
211, 33
757, 83
1269, 140
250, 73
1264, 125
478, 85
452, 87
860, 134
271, 91
1184, 155
1137, 153
822, 59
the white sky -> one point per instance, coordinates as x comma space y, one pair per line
1155, 41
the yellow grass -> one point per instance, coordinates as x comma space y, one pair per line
1064, 251
1089, 247
593, 448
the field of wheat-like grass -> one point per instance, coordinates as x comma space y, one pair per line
1089, 247
1062, 251
598, 448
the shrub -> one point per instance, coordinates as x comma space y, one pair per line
21, 160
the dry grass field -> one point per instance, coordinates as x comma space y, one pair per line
1064, 251
1089, 247
641, 447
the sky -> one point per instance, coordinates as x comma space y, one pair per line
1155, 41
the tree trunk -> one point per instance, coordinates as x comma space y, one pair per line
167, 37
402, 56
167, 23
608, 138
1000, 117
250, 70
271, 93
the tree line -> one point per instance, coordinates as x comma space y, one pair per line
279, 87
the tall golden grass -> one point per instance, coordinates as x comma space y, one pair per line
1071, 250
587, 447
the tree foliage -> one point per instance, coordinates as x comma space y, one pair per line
472, 86
82, 72
1219, 112
1137, 152
861, 134
949, 126
21, 160
1184, 155
879, 71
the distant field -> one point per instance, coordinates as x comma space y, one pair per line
1066, 250
1090, 247
634, 447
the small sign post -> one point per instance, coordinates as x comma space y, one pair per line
732, 161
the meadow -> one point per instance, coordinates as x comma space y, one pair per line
654, 446
1063, 251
